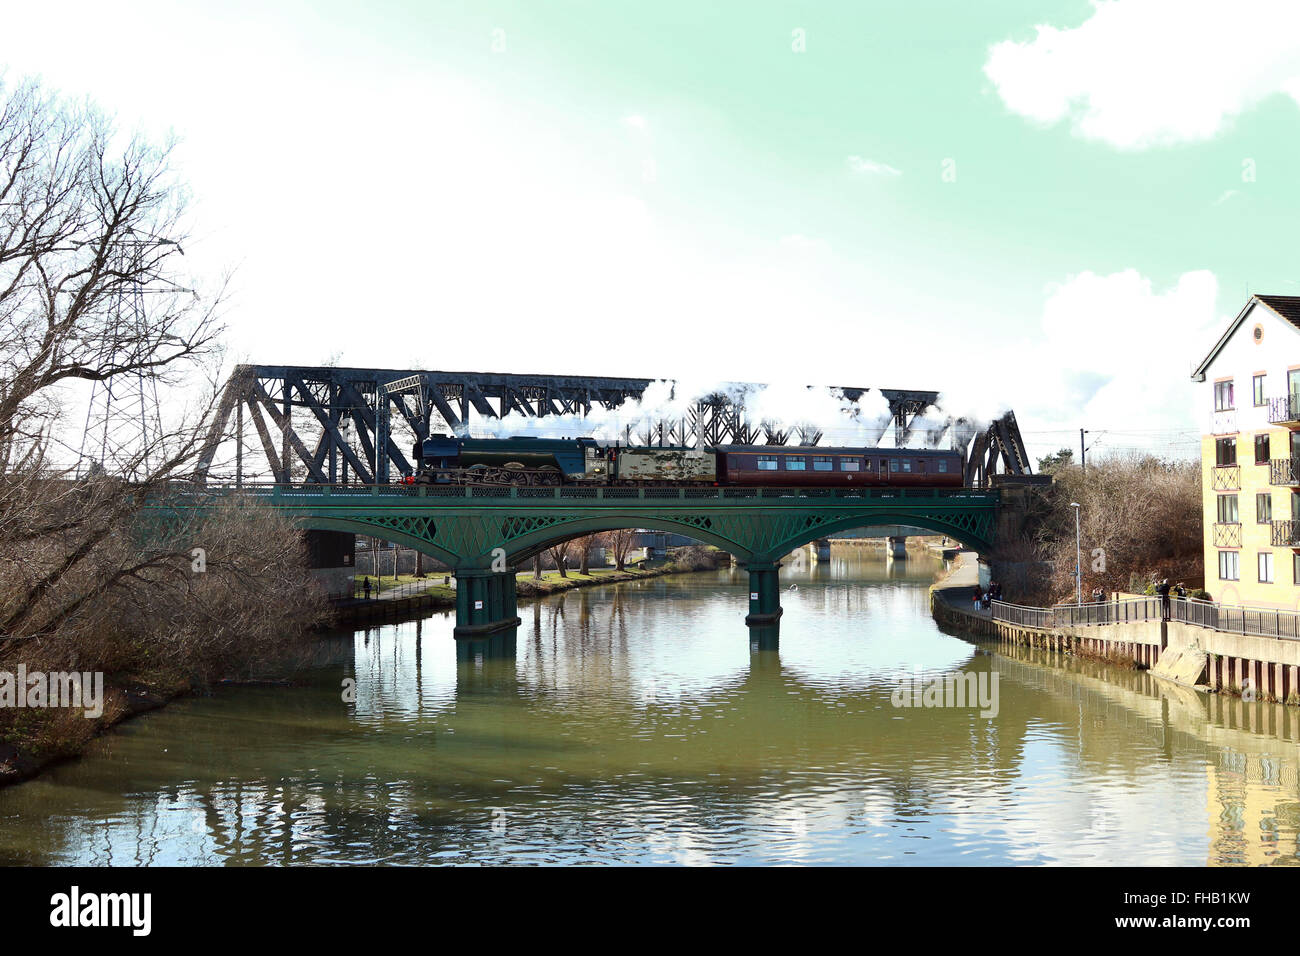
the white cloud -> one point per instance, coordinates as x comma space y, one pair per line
870, 167
1111, 353
1143, 73
636, 122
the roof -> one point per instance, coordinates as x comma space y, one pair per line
831, 450
1286, 307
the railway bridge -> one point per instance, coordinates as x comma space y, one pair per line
485, 533
330, 442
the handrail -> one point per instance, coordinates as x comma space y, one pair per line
1075, 615
603, 492
1228, 618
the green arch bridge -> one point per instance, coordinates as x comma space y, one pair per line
483, 533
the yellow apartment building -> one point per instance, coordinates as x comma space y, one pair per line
1249, 392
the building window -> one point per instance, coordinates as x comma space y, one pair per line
1261, 449
1225, 452
767, 462
1266, 567
1229, 568
796, 464
823, 464
850, 464
1295, 568
1257, 388
1223, 396
1228, 509
1264, 508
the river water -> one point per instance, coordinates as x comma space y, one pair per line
643, 723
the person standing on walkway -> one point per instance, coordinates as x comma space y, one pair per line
978, 597
365, 584
1163, 590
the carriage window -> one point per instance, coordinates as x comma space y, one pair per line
849, 464
920, 467
796, 464
907, 466
893, 464
823, 464
943, 466
767, 462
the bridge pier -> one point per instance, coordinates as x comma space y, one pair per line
764, 638
897, 546
485, 602
764, 593
822, 548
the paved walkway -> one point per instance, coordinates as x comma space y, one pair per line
958, 587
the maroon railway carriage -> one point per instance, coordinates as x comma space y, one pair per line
811, 466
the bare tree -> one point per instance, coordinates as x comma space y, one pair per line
1138, 515
620, 543
562, 553
85, 220
100, 571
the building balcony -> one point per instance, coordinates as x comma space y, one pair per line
1284, 471
1286, 534
1284, 410
1229, 535
1226, 478
1224, 422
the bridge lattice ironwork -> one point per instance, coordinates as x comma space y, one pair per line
331, 425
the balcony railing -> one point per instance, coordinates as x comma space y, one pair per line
1226, 477
1224, 422
1284, 471
1284, 410
1229, 535
1286, 534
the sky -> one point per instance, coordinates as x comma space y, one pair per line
1053, 207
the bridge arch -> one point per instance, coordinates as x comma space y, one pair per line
374, 529
968, 537
525, 547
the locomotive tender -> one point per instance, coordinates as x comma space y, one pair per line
573, 461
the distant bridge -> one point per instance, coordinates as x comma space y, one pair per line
330, 425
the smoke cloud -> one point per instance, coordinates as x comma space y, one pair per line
779, 407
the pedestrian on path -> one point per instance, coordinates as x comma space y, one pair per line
365, 584
1162, 589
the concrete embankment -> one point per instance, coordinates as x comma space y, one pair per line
1267, 668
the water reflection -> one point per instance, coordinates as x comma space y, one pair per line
641, 724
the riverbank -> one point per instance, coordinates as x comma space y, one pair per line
49, 737
1128, 645
1254, 666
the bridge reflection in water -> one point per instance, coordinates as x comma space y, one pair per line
627, 725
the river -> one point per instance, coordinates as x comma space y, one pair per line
642, 723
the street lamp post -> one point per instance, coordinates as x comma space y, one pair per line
1078, 557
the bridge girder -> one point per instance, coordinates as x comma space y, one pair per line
334, 425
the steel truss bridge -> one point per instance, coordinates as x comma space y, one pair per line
484, 533
330, 425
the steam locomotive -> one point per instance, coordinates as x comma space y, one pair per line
584, 461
